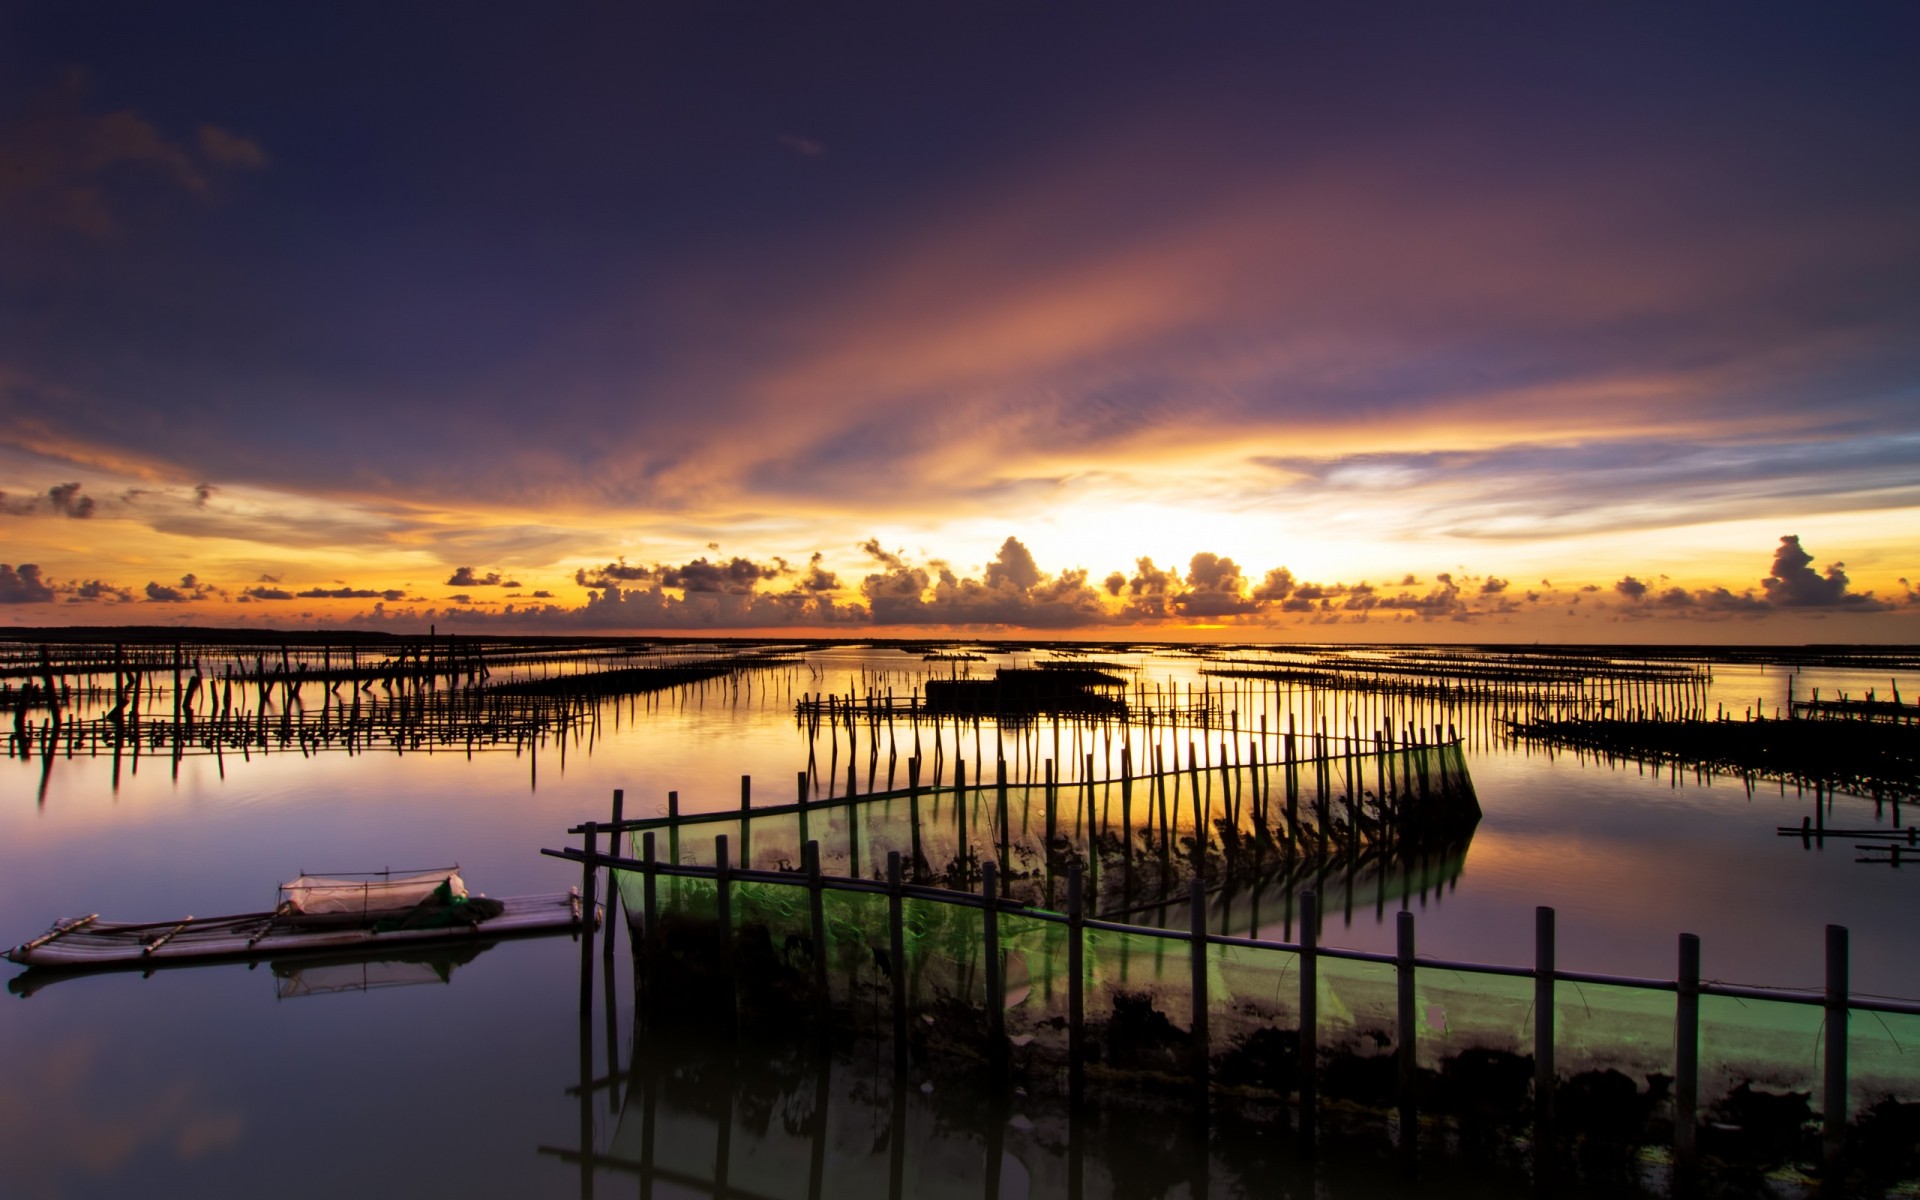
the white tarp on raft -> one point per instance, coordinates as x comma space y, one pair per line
323, 896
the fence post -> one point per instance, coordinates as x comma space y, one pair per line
1076, 983
1833, 1098
1000, 806
913, 812
817, 922
1309, 1066
1407, 1037
1686, 1053
1543, 1071
589, 876
960, 820
801, 803
996, 998
649, 895
1197, 950
723, 914
746, 822
613, 893
673, 843
897, 958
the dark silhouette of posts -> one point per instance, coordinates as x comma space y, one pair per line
613, 893
817, 922
589, 875
897, 958
1406, 1035
1686, 1054
644, 956
723, 917
1543, 1070
1197, 946
1833, 1095
1076, 984
746, 822
1309, 1016
996, 998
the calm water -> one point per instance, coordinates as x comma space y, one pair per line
214, 1080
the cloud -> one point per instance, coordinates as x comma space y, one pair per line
881, 554
614, 573
802, 146
1014, 592
23, 586
76, 170
1013, 567
267, 593
190, 588
226, 149
62, 498
1793, 583
94, 589
465, 578
1631, 588
738, 575
1214, 588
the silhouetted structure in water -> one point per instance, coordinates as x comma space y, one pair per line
1015, 692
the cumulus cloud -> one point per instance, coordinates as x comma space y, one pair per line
738, 575
465, 578
62, 498
23, 585
95, 589
1013, 592
1793, 583
611, 575
189, 588
1214, 588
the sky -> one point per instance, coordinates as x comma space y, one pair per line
1371, 322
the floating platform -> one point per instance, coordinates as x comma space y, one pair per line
88, 943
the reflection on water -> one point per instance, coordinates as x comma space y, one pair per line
698, 1113
179, 1084
313, 975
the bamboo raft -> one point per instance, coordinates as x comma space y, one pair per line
88, 943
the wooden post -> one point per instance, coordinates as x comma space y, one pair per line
801, 803
1053, 811
613, 893
746, 822
1407, 1037
673, 838
996, 998
1686, 1053
897, 960
1000, 807
1833, 1093
1076, 984
817, 922
1309, 1016
649, 895
1197, 948
1543, 1070
589, 874
960, 818
723, 916
913, 811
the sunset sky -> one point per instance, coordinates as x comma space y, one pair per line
1365, 321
